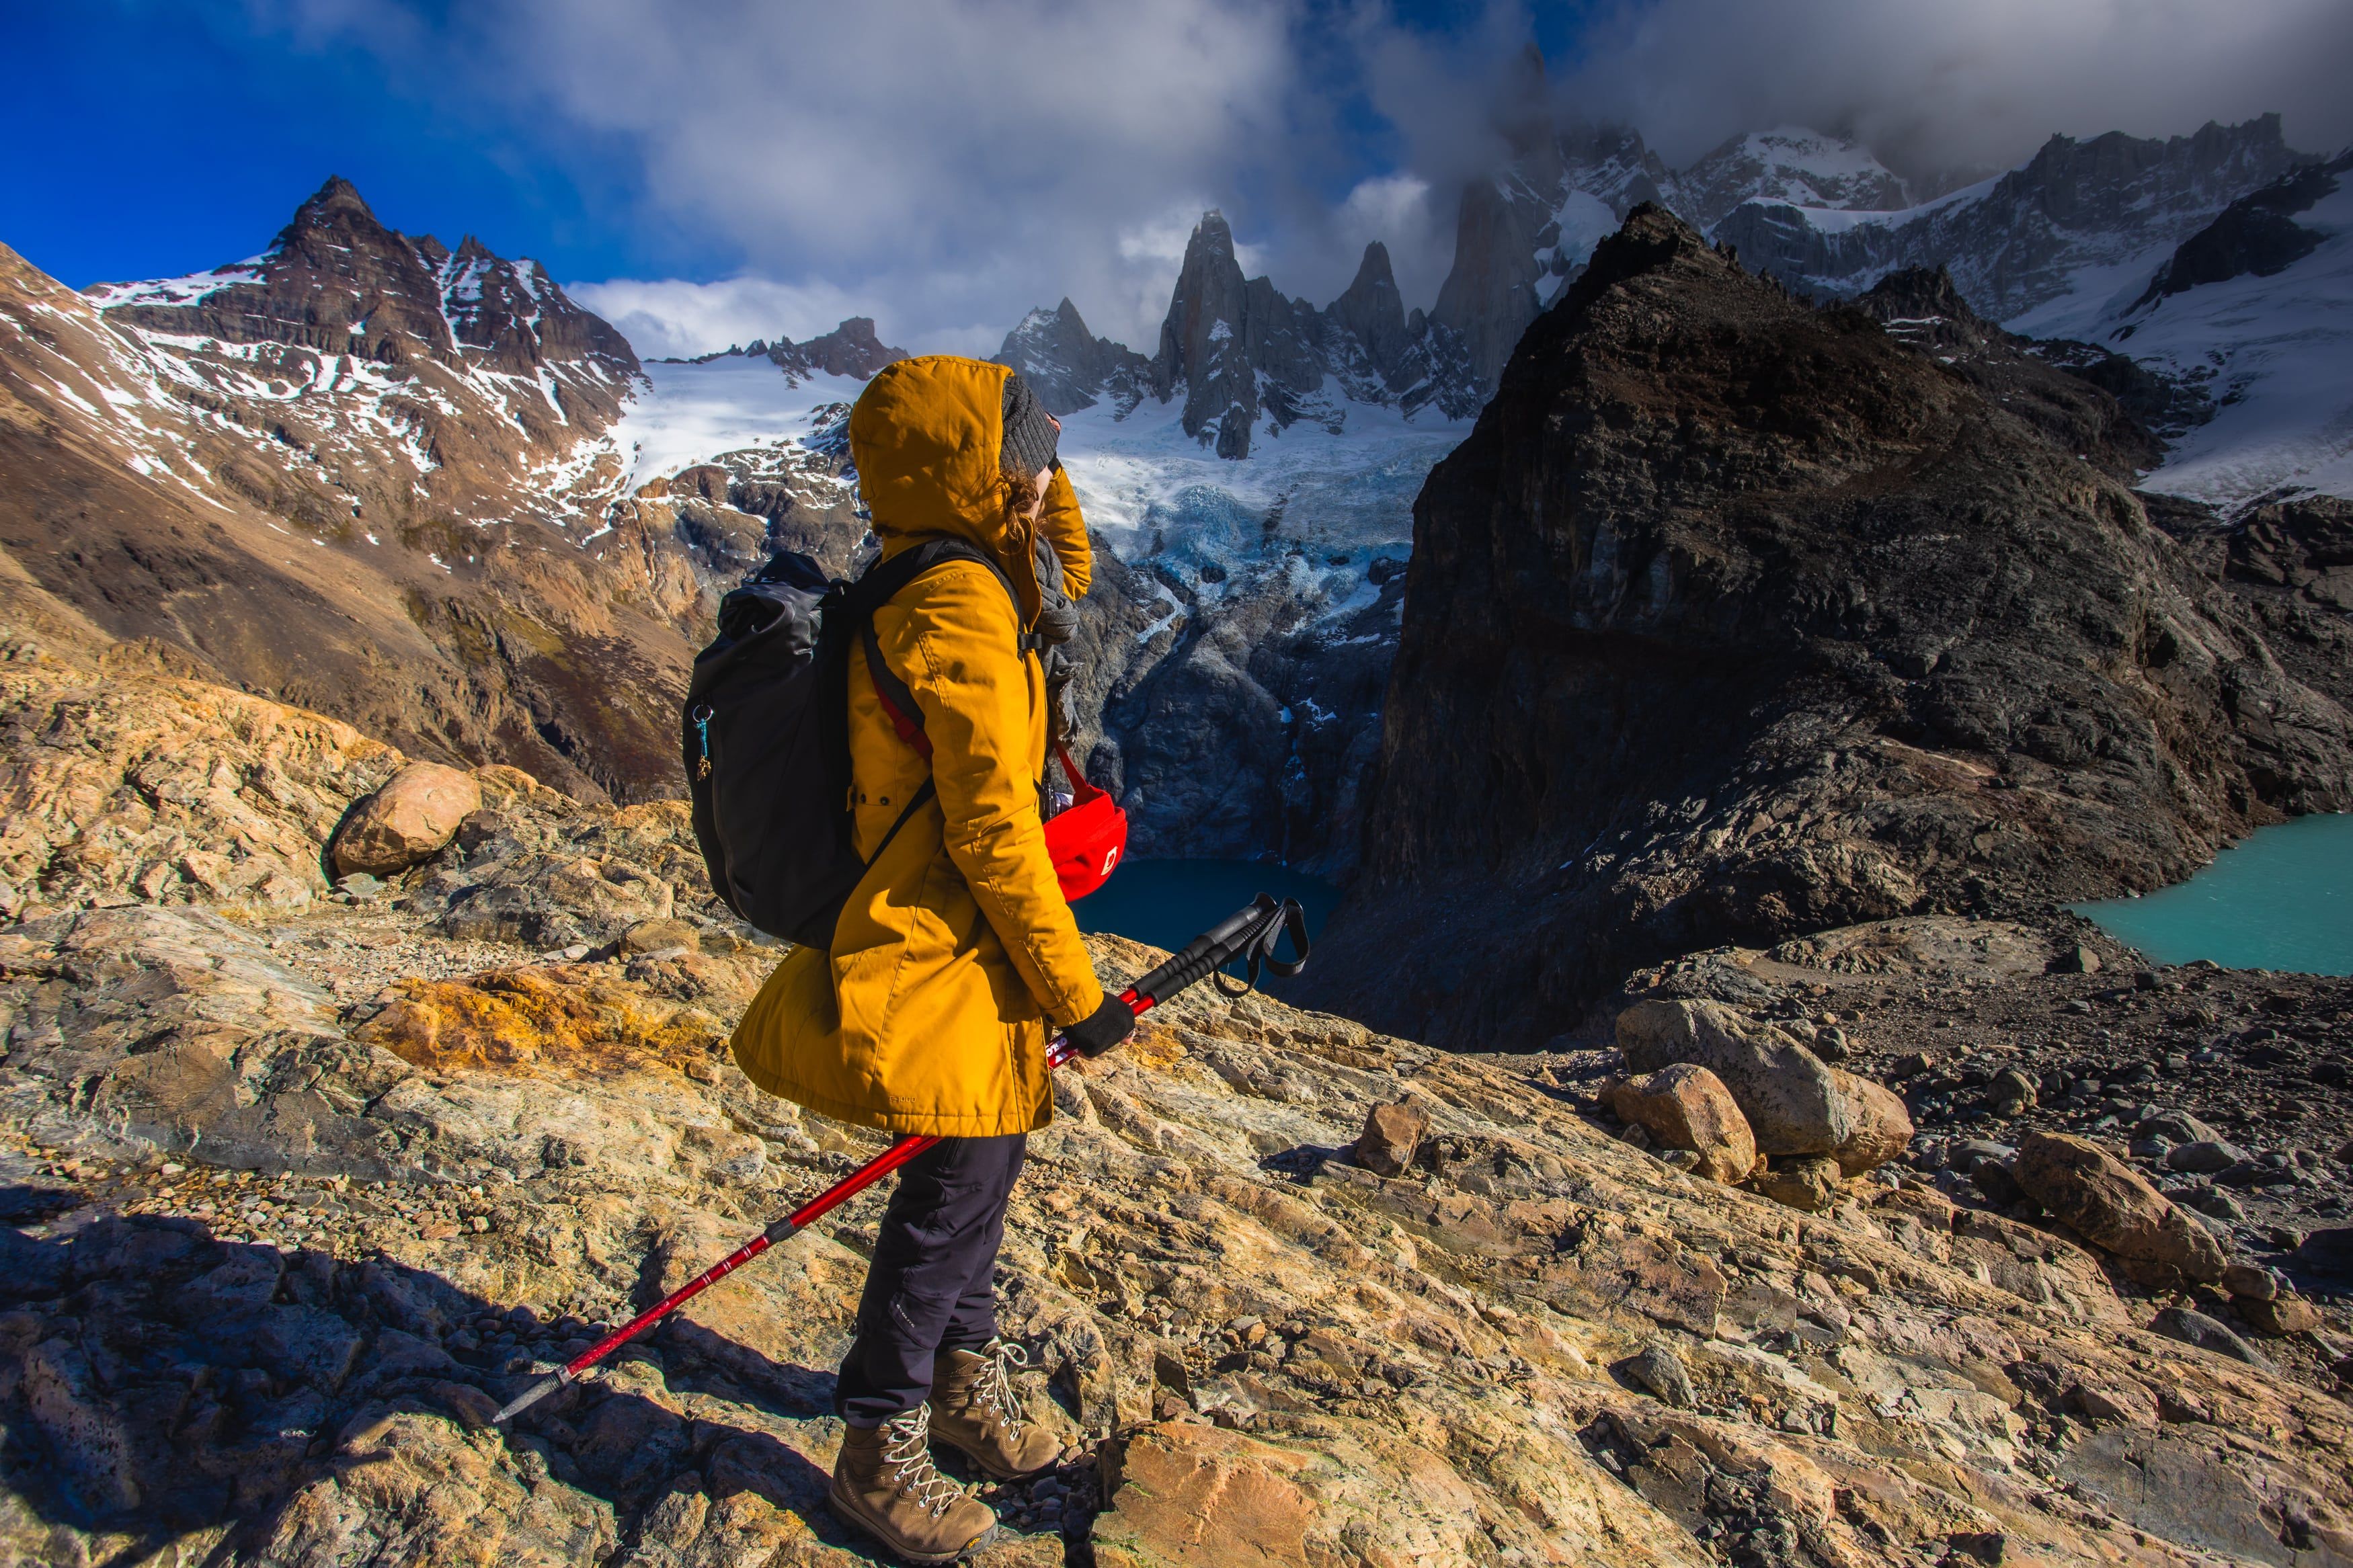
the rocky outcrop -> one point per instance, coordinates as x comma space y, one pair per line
1738, 619
2063, 390
2303, 546
2256, 234
123, 780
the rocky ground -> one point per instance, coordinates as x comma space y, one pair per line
301, 1185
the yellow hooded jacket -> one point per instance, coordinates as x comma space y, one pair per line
930, 1015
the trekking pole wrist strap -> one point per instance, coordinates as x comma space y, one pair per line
1251, 935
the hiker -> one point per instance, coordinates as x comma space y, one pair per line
956, 955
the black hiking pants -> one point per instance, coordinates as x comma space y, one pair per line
929, 1287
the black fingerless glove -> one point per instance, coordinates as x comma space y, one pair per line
1102, 1029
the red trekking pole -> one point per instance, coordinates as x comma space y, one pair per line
1251, 934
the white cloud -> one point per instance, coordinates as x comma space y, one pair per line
664, 318
925, 151
1930, 84
944, 165
1399, 211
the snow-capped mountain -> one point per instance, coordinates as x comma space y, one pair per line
2043, 248
359, 472
2256, 311
1789, 165
1248, 361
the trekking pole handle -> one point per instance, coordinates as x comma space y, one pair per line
1252, 932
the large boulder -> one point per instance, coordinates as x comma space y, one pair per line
1882, 1127
1792, 1102
1392, 1136
412, 818
2113, 1207
1687, 1107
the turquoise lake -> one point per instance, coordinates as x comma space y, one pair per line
2282, 899
1169, 902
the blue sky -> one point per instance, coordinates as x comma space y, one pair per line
713, 170
212, 120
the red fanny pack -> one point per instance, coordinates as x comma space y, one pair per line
1086, 837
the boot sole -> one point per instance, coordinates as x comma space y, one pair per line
848, 1510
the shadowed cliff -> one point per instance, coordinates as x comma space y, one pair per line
1735, 619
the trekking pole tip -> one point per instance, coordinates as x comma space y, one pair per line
530, 1396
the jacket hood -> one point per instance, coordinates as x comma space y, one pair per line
925, 437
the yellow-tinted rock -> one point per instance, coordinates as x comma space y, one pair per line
561, 1016
2114, 1207
1687, 1107
1882, 1126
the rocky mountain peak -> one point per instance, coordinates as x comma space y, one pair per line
853, 349
1205, 338
1371, 308
1071, 368
336, 200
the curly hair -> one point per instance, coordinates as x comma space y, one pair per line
1022, 494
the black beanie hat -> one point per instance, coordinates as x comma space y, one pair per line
1029, 433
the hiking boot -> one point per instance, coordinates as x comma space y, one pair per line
886, 1485
972, 1409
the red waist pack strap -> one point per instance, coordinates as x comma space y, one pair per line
898, 702
1080, 790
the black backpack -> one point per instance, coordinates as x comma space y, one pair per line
766, 737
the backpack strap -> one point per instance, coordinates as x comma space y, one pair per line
886, 578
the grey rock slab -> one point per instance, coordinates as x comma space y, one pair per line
2194, 1328
1792, 1102
2204, 1157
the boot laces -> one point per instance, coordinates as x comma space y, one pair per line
992, 1385
906, 1449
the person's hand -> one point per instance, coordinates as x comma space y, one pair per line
1102, 1029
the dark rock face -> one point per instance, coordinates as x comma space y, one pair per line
2304, 546
1922, 308
2018, 246
1737, 619
2257, 234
